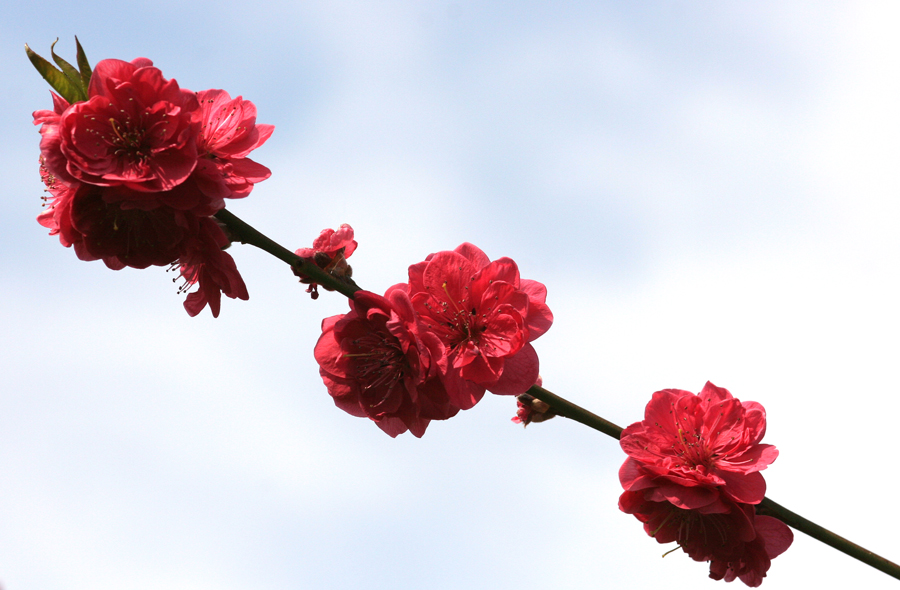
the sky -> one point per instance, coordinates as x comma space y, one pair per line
708, 190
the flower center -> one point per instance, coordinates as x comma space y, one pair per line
691, 446
129, 141
458, 324
379, 361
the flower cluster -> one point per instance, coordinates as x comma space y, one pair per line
136, 170
429, 348
693, 476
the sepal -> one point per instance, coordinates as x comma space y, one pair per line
69, 82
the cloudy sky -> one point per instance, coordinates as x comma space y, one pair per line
709, 191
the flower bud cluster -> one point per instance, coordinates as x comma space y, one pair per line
136, 171
693, 476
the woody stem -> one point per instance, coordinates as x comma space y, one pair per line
567, 409
240, 231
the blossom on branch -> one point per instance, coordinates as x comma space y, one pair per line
486, 316
692, 476
530, 409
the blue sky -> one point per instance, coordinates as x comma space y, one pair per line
708, 190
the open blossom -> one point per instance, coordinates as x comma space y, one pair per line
486, 316
377, 361
136, 129
694, 450
228, 132
692, 476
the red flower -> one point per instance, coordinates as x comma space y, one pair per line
486, 316
736, 542
136, 129
530, 409
378, 362
692, 476
228, 132
692, 450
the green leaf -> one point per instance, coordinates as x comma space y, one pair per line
57, 80
83, 65
70, 72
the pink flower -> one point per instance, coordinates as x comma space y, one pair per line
51, 154
329, 252
228, 132
378, 362
136, 130
737, 542
56, 216
331, 243
486, 316
697, 450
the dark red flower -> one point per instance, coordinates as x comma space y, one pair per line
377, 361
700, 533
773, 538
100, 225
486, 316
737, 542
